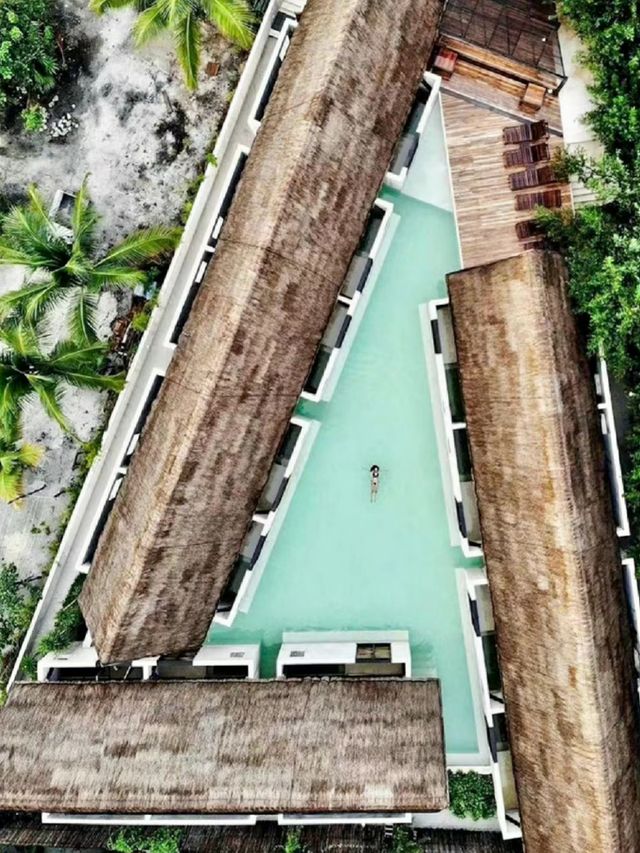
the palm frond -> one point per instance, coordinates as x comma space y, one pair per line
141, 247
118, 278
82, 317
14, 460
78, 364
20, 338
37, 205
50, 395
175, 10
100, 6
31, 301
29, 455
12, 393
149, 24
77, 269
26, 232
71, 353
87, 378
188, 38
233, 19
11, 485
83, 221
10, 256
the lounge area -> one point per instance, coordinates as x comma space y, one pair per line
425, 100
486, 663
449, 408
349, 305
264, 518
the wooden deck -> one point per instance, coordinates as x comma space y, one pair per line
485, 203
500, 92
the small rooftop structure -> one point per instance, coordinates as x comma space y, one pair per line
178, 522
261, 747
552, 558
523, 32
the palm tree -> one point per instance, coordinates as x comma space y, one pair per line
16, 457
62, 261
27, 372
185, 19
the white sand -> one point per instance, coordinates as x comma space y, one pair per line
142, 137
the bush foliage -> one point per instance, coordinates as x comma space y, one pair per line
28, 51
18, 598
601, 242
134, 840
471, 795
68, 622
402, 842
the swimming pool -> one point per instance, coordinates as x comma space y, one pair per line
341, 562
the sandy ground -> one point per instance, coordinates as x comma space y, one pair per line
142, 137
26, 529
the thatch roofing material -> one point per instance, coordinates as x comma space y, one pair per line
264, 837
177, 526
224, 747
552, 557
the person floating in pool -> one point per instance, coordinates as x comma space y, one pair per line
375, 481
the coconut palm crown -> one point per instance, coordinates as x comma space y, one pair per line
63, 265
186, 20
27, 372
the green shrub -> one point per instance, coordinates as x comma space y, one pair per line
18, 599
34, 118
131, 839
292, 843
141, 320
402, 842
28, 50
68, 622
29, 667
471, 795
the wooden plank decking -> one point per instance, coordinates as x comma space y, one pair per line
501, 93
485, 203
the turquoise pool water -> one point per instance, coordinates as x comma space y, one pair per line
341, 562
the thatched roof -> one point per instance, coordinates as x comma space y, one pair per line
264, 837
224, 747
342, 96
552, 557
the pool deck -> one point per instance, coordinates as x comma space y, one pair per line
341, 562
485, 207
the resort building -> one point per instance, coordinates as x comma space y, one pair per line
235, 748
552, 558
358, 521
327, 137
